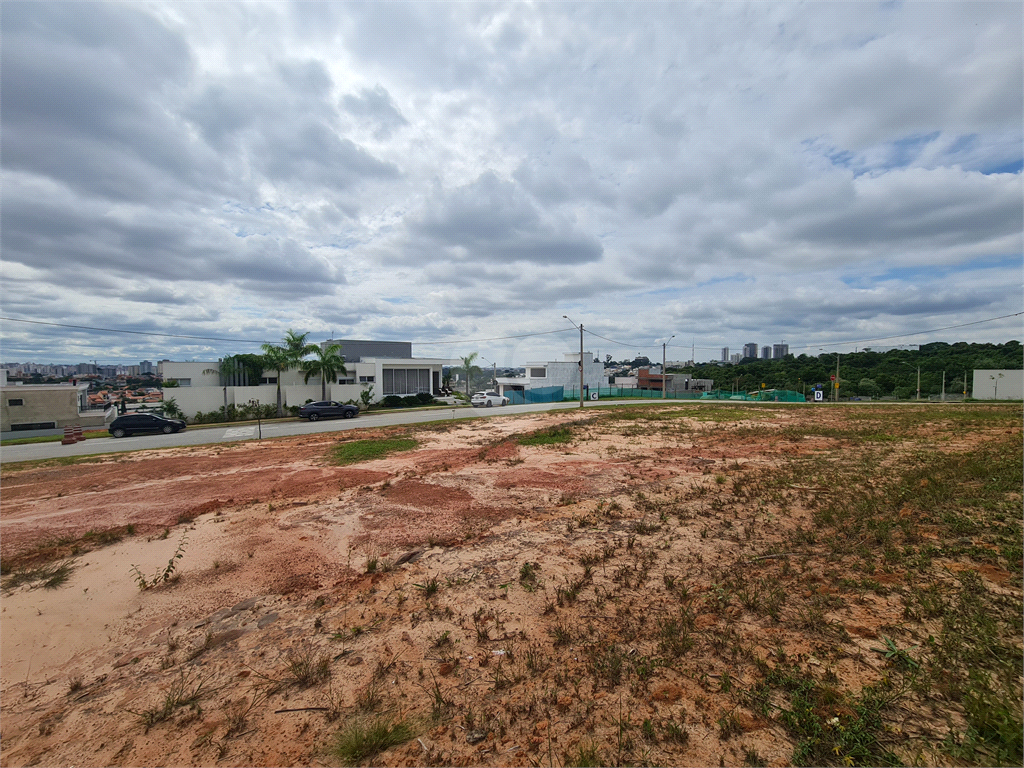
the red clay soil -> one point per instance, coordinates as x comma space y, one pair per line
528, 574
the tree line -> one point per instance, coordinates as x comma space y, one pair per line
893, 373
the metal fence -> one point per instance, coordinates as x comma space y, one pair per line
649, 394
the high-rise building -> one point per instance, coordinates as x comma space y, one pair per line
735, 357
750, 350
766, 352
779, 351
725, 354
145, 367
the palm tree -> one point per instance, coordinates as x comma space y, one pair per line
285, 358
326, 363
281, 360
296, 344
468, 367
226, 370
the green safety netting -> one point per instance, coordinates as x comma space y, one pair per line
760, 396
651, 394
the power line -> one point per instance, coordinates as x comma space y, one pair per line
137, 333
636, 345
908, 335
496, 338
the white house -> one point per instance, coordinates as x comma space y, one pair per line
200, 389
563, 373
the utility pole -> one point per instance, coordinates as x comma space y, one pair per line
919, 382
965, 383
836, 387
581, 357
943, 386
664, 370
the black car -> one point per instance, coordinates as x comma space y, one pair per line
326, 409
135, 423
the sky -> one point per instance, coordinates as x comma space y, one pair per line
463, 175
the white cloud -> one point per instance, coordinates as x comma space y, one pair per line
445, 171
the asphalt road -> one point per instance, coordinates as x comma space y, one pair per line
204, 436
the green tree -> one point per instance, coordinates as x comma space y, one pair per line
326, 363
285, 358
171, 409
469, 369
278, 359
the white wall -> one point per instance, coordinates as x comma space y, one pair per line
997, 385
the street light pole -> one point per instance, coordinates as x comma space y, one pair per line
581, 356
664, 370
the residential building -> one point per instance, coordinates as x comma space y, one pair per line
779, 351
725, 354
735, 358
750, 350
200, 388
146, 366
684, 382
561, 373
766, 352
50, 406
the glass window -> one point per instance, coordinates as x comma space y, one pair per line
538, 373
389, 381
16, 401
268, 380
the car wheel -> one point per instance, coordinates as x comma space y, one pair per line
168, 429
349, 414
314, 416
118, 433
489, 403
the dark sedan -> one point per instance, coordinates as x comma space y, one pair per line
137, 423
327, 409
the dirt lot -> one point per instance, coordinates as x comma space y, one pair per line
682, 585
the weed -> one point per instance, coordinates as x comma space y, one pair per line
551, 436
48, 576
586, 756
75, 684
309, 667
184, 691
429, 587
752, 758
362, 740
676, 732
168, 571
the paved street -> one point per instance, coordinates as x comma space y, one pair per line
202, 436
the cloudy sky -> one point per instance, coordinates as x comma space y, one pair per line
449, 174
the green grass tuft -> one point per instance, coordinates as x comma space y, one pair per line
361, 741
367, 450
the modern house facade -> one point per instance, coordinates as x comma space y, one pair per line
384, 368
26, 407
561, 373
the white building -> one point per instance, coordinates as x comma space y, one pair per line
200, 389
992, 384
562, 373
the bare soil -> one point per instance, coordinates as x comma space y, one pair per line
529, 624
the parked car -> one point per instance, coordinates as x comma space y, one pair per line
488, 399
137, 423
326, 409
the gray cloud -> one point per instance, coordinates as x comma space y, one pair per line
457, 170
